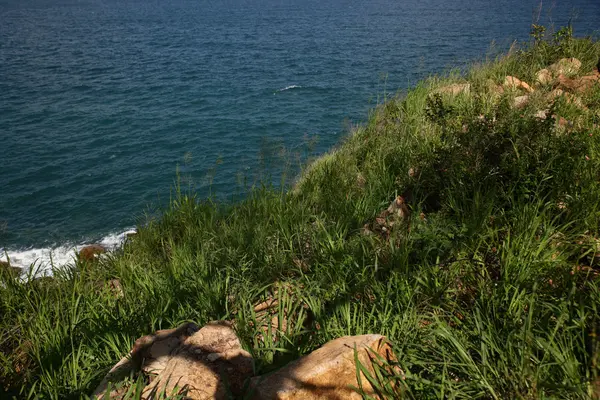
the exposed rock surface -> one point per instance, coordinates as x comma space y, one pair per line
516, 83
565, 66
544, 76
493, 88
149, 353
560, 70
267, 315
210, 364
397, 213
282, 312
570, 98
91, 252
542, 114
326, 373
578, 85
521, 101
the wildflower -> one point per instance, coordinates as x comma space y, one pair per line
587, 158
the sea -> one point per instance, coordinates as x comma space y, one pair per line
107, 106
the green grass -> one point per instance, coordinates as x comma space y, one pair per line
491, 290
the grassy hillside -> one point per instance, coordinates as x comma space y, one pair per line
488, 284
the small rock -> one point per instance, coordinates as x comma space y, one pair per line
204, 364
396, 214
91, 252
398, 209
280, 312
544, 76
542, 114
555, 93
562, 124
454, 89
114, 285
521, 101
565, 66
515, 83
493, 88
326, 373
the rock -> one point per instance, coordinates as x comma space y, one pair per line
542, 114
326, 373
114, 286
12, 271
555, 93
91, 252
206, 365
562, 124
494, 89
544, 77
578, 85
521, 101
515, 83
570, 98
267, 316
149, 353
396, 214
454, 89
398, 209
565, 66
281, 312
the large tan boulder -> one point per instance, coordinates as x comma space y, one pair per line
544, 76
150, 353
209, 364
565, 66
326, 373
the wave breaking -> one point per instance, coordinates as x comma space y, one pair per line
43, 260
288, 88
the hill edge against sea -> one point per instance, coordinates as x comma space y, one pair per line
462, 221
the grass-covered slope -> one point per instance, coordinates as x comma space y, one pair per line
490, 288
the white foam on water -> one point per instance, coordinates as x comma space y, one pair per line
288, 88
57, 256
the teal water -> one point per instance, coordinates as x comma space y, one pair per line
102, 100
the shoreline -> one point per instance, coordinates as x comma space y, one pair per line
44, 259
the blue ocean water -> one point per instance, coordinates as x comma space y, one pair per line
102, 100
